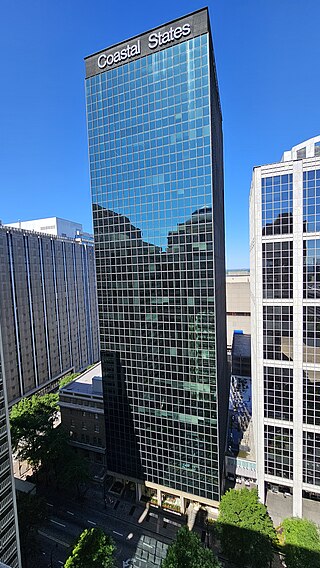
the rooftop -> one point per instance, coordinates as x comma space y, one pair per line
241, 346
90, 383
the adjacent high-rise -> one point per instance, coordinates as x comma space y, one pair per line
48, 309
285, 325
9, 534
155, 150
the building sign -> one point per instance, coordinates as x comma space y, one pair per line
191, 26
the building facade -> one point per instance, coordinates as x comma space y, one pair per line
82, 414
55, 226
285, 268
9, 534
155, 150
238, 303
48, 310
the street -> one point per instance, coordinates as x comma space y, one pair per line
138, 545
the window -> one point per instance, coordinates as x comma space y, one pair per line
301, 154
276, 197
311, 201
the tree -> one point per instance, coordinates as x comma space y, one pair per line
32, 512
245, 529
301, 543
188, 552
31, 423
74, 472
93, 549
67, 379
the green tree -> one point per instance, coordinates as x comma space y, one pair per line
188, 552
67, 379
74, 472
93, 549
301, 543
246, 531
31, 423
32, 513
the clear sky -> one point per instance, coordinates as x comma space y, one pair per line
267, 55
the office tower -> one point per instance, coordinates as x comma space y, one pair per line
285, 277
48, 310
238, 303
155, 150
9, 534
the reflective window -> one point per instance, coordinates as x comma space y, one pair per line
311, 458
278, 393
311, 201
311, 397
311, 268
311, 334
276, 196
277, 269
278, 451
277, 332
301, 154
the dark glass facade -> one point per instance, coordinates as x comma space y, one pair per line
155, 149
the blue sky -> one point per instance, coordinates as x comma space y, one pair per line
267, 55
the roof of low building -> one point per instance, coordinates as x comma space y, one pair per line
86, 383
241, 346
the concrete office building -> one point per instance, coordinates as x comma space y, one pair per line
238, 303
285, 288
9, 534
48, 310
155, 149
55, 226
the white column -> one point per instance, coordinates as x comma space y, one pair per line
297, 335
257, 327
183, 504
159, 497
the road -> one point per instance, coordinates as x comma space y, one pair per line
143, 542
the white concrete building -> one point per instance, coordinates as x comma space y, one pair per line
285, 324
50, 226
238, 303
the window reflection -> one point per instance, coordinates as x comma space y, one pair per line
276, 193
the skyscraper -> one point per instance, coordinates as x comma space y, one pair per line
285, 289
9, 534
155, 150
48, 309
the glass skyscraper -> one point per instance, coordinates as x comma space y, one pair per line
155, 150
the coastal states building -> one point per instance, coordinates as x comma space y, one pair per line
285, 325
155, 150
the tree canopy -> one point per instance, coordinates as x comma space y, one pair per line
301, 543
32, 512
31, 423
36, 440
67, 379
245, 528
188, 552
93, 549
